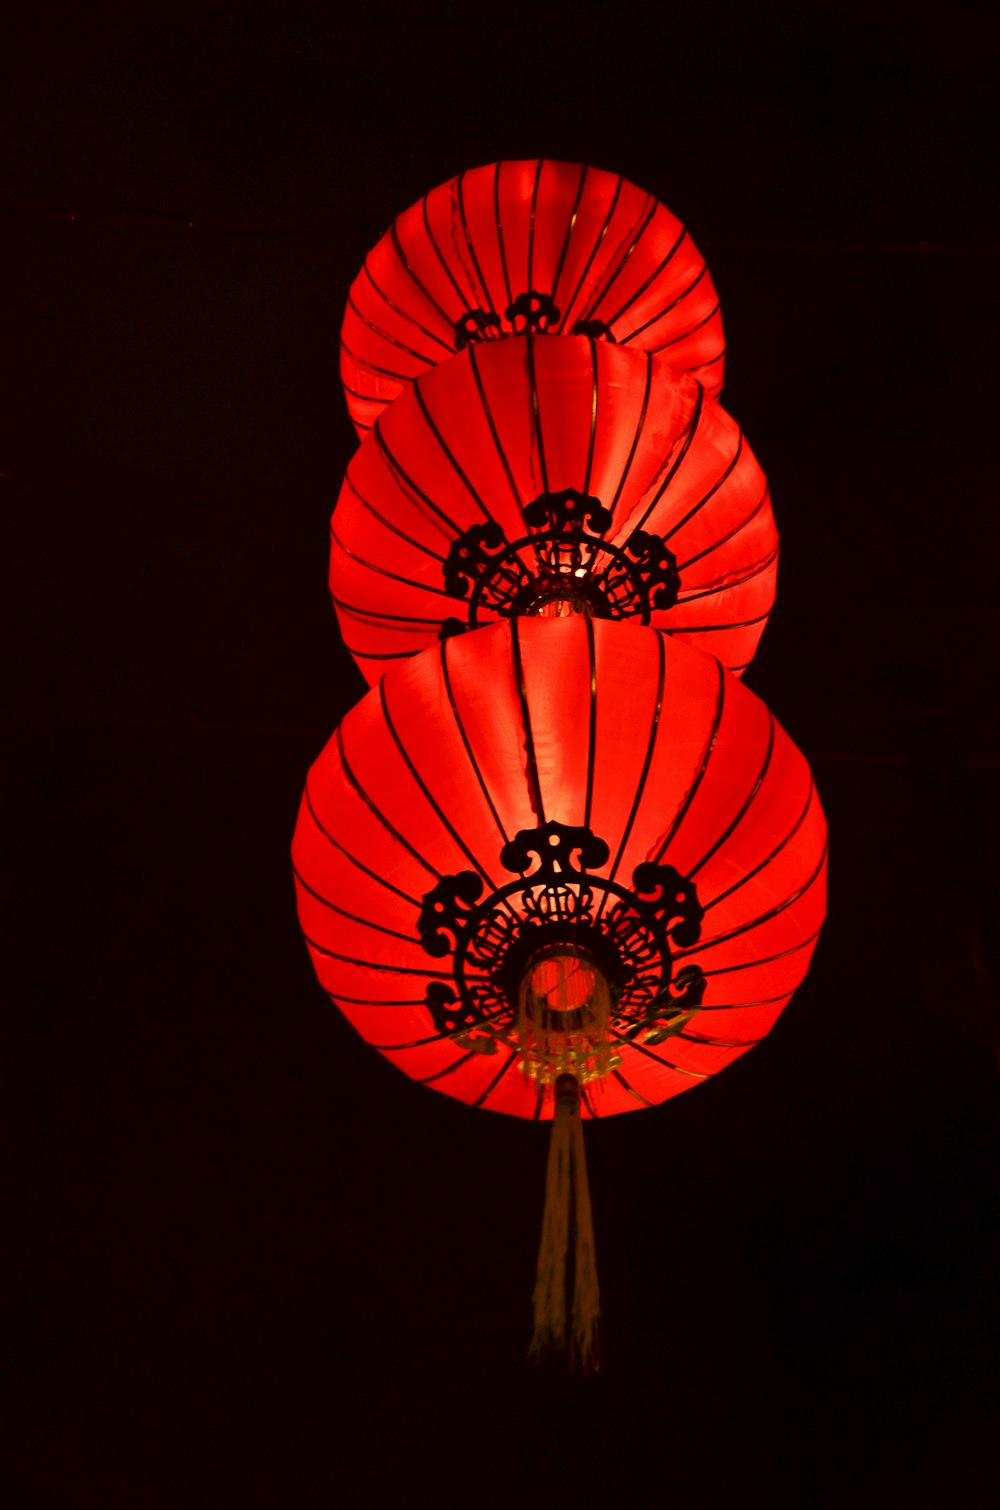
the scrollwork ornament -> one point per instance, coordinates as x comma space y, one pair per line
556, 902
531, 311
474, 326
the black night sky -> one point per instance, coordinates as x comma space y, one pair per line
252, 1264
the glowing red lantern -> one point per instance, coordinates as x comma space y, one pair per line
560, 848
538, 476
557, 248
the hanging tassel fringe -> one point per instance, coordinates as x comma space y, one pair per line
567, 1204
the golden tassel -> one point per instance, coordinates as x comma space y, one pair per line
566, 1188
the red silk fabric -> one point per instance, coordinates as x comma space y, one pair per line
478, 438
592, 243
653, 746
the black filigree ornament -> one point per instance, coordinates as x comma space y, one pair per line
476, 325
532, 311
554, 905
595, 329
565, 564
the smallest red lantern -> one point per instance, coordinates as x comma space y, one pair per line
548, 247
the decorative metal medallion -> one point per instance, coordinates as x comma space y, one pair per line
564, 566
530, 311
595, 329
555, 906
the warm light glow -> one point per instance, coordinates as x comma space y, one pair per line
562, 982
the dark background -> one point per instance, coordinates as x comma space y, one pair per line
252, 1264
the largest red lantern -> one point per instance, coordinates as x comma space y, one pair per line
544, 791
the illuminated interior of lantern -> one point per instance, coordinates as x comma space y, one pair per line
560, 989
560, 605
563, 1017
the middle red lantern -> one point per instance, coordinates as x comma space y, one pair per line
546, 476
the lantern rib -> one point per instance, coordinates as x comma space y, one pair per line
354, 392
383, 571
686, 629
698, 366
668, 1064
638, 432
406, 479
407, 938
668, 308
723, 539
375, 619
535, 411
613, 319
462, 298
593, 421
752, 964
499, 226
569, 231
726, 474
531, 225
446, 674
729, 583
682, 811
486, 295
368, 1001
351, 959
397, 247
529, 740
450, 455
627, 1086
693, 870
384, 335
764, 917
388, 523
673, 469
493, 429
721, 1043
417, 1043
762, 865
398, 377
738, 1006
431, 799
676, 340
482, 1098
448, 1069
348, 856
593, 253
640, 787
598, 299
592, 731
588, 1101
411, 319
376, 812
380, 655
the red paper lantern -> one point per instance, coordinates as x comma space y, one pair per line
546, 246
520, 813
537, 476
